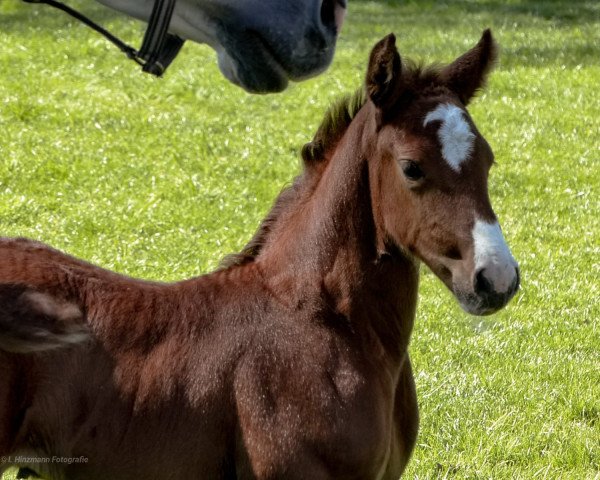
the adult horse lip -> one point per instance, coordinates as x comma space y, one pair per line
264, 74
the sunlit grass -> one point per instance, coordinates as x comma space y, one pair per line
162, 178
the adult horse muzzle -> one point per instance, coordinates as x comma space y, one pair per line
260, 59
260, 47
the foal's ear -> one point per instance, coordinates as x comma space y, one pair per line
469, 72
383, 74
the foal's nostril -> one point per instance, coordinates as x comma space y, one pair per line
482, 285
453, 253
517, 283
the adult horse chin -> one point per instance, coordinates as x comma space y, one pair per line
261, 44
261, 73
251, 63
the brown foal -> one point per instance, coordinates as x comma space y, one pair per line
291, 362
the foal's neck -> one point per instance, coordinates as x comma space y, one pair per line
327, 249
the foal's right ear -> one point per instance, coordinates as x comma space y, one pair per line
383, 74
468, 73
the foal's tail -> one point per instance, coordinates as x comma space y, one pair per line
33, 321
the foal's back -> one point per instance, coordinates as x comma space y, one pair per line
147, 378
203, 370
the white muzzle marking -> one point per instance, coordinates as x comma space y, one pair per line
493, 255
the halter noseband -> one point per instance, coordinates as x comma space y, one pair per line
159, 48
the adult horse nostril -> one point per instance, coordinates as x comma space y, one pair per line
332, 14
328, 13
482, 285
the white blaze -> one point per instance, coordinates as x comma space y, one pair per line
455, 134
493, 255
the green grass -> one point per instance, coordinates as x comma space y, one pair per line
162, 178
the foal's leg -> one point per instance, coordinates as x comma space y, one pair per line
7, 374
407, 410
406, 422
307, 468
8, 400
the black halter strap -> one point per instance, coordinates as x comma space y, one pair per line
159, 47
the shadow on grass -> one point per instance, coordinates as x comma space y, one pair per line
569, 12
532, 33
572, 12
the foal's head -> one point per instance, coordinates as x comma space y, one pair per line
429, 172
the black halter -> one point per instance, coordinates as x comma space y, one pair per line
159, 47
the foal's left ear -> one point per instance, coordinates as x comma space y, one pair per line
383, 74
469, 72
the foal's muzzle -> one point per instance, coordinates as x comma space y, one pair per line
484, 299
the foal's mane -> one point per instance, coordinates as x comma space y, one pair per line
317, 153
336, 121
315, 156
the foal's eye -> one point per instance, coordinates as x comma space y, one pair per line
411, 170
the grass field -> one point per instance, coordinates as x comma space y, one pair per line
161, 178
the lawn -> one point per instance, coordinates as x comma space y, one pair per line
160, 178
